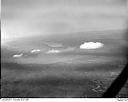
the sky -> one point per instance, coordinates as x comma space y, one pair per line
24, 18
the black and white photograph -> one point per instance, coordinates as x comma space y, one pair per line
64, 48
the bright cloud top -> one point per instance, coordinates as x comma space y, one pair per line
91, 45
53, 51
17, 55
35, 50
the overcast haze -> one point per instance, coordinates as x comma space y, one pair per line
50, 17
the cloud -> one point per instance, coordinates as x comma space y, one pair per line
51, 44
53, 51
114, 73
35, 50
69, 49
61, 51
91, 45
17, 55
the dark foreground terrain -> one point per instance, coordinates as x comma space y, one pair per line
58, 80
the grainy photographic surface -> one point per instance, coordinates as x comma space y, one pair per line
62, 48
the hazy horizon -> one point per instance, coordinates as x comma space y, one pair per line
62, 48
50, 18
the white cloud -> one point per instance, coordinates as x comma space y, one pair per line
18, 55
35, 50
53, 51
91, 45
114, 73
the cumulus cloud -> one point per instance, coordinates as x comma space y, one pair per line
17, 55
53, 51
91, 45
35, 50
